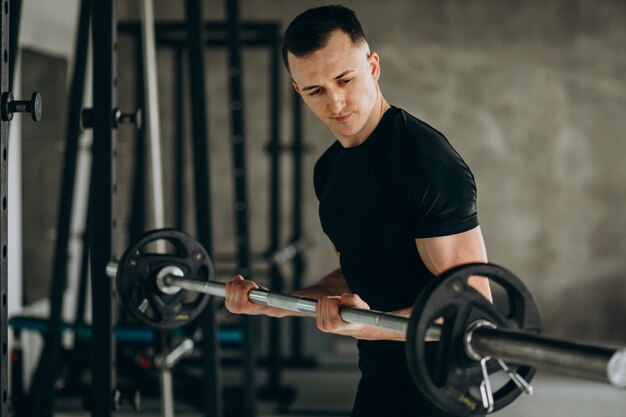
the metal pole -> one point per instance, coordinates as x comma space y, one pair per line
584, 361
165, 363
151, 104
212, 390
292, 303
593, 362
4, 174
241, 198
137, 221
298, 260
15, 13
103, 222
179, 138
274, 387
597, 363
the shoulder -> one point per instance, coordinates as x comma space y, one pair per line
416, 138
434, 181
404, 121
421, 148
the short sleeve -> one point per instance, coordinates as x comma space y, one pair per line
442, 197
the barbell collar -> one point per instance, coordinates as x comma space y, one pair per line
591, 362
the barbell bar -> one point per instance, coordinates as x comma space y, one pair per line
598, 363
475, 335
171, 280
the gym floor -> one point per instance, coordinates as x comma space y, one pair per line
329, 392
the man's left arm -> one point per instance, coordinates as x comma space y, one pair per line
438, 254
442, 253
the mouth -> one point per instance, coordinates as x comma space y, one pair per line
341, 118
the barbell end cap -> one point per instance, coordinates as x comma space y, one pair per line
111, 269
138, 118
616, 369
164, 279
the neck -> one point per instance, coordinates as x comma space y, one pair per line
378, 110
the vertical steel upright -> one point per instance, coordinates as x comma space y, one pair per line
211, 359
241, 193
4, 134
103, 226
274, 388
179, 144
15, 13
298, 259
137, 223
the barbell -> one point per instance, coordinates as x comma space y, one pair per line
477, 341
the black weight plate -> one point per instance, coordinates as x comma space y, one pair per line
452, 382
137, 272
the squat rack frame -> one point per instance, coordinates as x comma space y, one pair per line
104, 185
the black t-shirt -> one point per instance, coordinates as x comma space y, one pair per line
404, 182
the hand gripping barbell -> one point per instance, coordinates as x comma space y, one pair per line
477, 338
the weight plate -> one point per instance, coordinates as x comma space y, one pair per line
137, 272
451, 379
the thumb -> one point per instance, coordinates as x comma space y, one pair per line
353, 300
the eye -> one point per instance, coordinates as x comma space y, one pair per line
345, 81
315, 92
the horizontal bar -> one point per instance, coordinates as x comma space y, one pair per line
578, 360
215, 34
595, 363
371, 318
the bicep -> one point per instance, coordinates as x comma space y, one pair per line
442, 253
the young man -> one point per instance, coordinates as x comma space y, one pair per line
396, 200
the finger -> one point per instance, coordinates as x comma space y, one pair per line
320, 313
348, 299
234, 294
328, 313
237, 290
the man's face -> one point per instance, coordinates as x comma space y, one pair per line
339, 84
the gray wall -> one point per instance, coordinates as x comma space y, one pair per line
42, 157
533, 95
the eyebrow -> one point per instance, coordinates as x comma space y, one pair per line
343, 74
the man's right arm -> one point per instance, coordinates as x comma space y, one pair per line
331, 284
237, 294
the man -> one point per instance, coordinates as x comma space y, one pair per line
396, 200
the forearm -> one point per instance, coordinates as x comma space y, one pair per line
332, 284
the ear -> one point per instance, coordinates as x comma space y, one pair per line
295, 86
374, 61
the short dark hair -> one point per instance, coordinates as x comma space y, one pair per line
310, 30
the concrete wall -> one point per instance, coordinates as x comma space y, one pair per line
533, 95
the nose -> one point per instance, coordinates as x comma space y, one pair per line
336, 101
